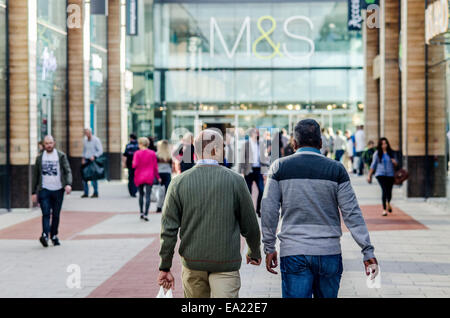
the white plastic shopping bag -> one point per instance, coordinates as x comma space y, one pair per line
376, 282
156, 192
166, 295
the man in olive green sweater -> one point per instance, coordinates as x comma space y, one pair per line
212, 207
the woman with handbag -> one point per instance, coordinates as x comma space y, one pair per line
383, 166
165, 168
146, 169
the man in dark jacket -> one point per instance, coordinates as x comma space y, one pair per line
52, 177
128, 154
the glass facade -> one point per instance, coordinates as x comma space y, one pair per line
143, 119
99, 75
266, 64
51, 70
3, 107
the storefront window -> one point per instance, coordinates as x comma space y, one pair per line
98, 76
3, 114
51, 64
263, 64
144, 117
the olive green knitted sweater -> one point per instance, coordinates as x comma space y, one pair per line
211, 205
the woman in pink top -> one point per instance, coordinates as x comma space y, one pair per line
146, 170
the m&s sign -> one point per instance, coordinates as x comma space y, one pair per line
278, 49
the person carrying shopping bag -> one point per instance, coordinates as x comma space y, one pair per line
146, 169
165, 168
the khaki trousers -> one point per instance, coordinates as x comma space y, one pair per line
200, 284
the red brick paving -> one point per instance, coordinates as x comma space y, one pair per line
70, 224
113, 236
395, 221
138, 277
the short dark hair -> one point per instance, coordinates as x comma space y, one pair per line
133, 136
307, 133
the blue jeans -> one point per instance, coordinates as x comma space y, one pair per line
86, 186
306, 275
51, 203
339, 154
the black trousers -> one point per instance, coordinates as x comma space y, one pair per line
361, 163
147, 189
132, 189
256, 176
51, 203
386, 184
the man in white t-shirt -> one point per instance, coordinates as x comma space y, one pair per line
52, 177
360, 146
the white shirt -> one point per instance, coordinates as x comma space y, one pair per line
350, 147
360, 140
255, 152
340, 143
51, 174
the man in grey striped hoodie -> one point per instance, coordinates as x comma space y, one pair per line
309, 190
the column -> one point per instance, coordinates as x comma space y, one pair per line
372, 97
389, 72
23, 99
78, 68
117, 119
423, 181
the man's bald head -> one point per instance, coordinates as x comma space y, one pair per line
209, 145
49, 143
88, 133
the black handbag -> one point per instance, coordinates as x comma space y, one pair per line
94, 170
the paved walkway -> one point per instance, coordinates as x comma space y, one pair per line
116, 254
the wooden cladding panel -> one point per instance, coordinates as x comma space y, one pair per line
389, 72
371, 45
19, 82
77, 77
414, 76
115, 78
437, 101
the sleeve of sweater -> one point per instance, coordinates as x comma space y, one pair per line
247, 220
170, 223
270, 209
67, 170
352, 215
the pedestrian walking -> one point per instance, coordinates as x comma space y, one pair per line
92, 149
210, 206
340, 145
145, 164
52, 177
349, 154
165, 168
360, 145
127, 161
325, 143
311, 189
251, 166
289, 149
185, 153
367, 155
383, 166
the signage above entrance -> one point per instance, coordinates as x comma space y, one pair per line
436, 19
278, 49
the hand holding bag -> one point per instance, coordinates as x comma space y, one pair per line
161, 294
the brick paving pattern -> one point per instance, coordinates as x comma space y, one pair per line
117, 253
